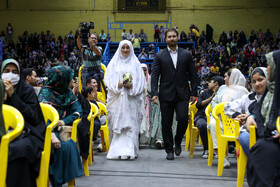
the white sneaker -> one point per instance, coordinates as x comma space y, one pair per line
159, 144
125, 157
226, 163
215, 154
205, 154
99, 147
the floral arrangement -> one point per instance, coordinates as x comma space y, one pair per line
127, 79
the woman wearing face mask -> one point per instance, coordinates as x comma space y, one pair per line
124, 102
241, 108
25, 151
263, 167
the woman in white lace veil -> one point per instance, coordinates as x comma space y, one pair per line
124, 102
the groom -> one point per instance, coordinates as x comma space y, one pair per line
176, 69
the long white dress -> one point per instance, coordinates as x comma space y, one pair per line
124, 105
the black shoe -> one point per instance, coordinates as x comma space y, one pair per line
231, 149
170, 156
178, 150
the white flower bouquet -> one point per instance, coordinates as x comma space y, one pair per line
127, 79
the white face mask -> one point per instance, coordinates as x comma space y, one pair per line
11, 76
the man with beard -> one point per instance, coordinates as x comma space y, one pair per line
30, 76
176, 69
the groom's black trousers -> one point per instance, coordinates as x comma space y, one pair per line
167, 111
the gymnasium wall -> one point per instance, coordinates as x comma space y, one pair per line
60, 16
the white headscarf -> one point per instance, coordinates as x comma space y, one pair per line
236, 87
120, 65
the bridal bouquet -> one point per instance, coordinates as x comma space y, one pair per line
127, 79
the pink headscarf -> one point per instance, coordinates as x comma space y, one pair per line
147, 100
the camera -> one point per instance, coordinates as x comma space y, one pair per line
84, 28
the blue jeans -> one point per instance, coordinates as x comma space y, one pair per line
244, 139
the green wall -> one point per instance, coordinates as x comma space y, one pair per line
64, 15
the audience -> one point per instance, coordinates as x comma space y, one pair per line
130, 35
263, 163
234, 88
40, 54
200, 118
142, 36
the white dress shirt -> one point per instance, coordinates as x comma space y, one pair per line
174, 55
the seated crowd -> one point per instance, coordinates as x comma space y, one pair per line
222, 70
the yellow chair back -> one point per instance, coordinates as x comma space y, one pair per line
100, 97
208, 111
104, 128
50, 114
103, 89
95, 111
102, 108
191, 132
86, 161
278, 124
12, 119
192, 107
80, 78
228, 124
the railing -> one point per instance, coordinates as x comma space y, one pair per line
111, 48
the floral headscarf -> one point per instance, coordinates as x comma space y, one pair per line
56, 91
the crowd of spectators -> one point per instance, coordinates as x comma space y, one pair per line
42, 51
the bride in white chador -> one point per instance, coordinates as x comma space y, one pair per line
124, 102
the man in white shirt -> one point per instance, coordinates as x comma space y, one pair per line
175, 67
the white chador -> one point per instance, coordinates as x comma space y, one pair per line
124, 105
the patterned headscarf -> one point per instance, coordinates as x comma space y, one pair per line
268, 100
56, 91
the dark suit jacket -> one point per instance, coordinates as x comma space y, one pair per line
174, 82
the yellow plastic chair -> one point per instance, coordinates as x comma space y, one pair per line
80, 80
100, 97
104, 128
278, 124
71, 183
12, 119
188, 135
192, 111
85, 161
227, 136
208, 110
94, 111
74, 129
194, 130
242, 159
104, 68
51, 114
